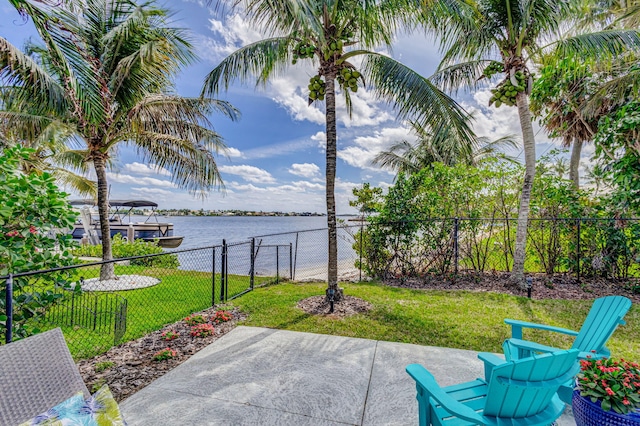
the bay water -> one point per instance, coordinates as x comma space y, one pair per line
298, 244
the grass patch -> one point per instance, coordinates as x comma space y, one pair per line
454, 319
178, 294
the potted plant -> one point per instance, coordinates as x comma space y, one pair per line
607, 392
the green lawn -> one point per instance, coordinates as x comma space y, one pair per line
178, 294
456, 319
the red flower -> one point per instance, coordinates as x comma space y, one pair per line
609, 391
33, 229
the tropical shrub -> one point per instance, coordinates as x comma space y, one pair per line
202, 330
34, 218
618, 156
195, 319
164, 354
123, 248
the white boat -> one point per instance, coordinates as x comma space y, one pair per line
120, 223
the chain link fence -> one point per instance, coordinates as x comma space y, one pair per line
579, 247
154, 290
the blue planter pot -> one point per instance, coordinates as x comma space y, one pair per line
589, 413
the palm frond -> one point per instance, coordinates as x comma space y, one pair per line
18, 69
603, 43
414, 96
84, 186
466, 74
260, 59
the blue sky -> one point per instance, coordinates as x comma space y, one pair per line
276, 152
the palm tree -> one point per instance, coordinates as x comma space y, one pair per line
105, 71
50, 151
439, 146
558, 99
332, 33
483, 38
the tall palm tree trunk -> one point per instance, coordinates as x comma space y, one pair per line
574, 164
332, 264
107, 270
528, 139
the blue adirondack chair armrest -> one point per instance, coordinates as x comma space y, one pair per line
527, 347
428, 383
517, 325
490, 360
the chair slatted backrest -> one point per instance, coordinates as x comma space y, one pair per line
603, 319
524, 387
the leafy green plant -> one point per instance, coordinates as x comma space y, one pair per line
616, 384
202, 330
169, 335
164, 354
105, 365
32, 212
221, 316
195, 319
123, 248
98, 384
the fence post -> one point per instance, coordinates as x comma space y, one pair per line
361, 249
455, 244
223, 272
291, 261
8, 332
213, 277
277, 263
252, 273
578, 249
295, 258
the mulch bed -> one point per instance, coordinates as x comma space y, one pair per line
133, 366
349, 305
543, 286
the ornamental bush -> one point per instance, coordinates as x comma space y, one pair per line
34, 220
123, 248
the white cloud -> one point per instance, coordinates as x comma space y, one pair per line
234, 152
146, 191
249, 173
367, 147
231, 33
144, 169
120, 178
279, 149
308, 170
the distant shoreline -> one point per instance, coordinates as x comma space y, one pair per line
230, 213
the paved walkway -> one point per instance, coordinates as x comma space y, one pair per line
259, 376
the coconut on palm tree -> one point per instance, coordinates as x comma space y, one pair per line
105, 71
485, 38
333, 35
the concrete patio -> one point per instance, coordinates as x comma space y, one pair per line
259, 376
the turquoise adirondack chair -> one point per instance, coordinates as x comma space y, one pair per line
519, 392
604, 317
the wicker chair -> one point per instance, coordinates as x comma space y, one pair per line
36, 374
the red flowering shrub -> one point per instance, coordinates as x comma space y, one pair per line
169, 335
616, 384
221, 316
195, 319
202, 330
166, 353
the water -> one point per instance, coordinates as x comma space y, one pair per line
202, 231
300, 249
